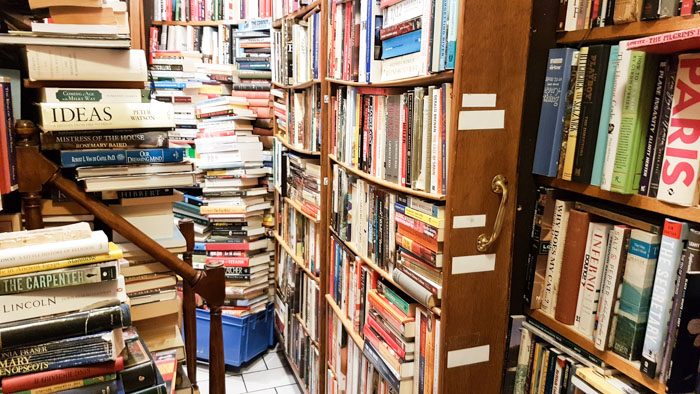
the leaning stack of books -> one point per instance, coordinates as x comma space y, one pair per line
63, 311
613, 115
416, 37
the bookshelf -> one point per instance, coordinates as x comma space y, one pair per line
195, 23
346, 323
432, 79
629, 30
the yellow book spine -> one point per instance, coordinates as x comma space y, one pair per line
575, 115
114, 253
433, 221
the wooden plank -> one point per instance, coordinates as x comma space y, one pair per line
299, 86
298, 260
630, 30
432, 79
298, 208
628, 368
294, 148
356, 337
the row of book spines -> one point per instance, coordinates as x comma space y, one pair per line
211, 10
587, 14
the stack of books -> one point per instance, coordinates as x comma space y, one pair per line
587, 14
303, 180
654, 266
394, 134
612, 117
72, 23
60, 213
416, 37
76, 335
231, 11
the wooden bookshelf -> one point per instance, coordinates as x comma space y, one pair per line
305, 329
296, 149
293, 367
629, 30
628, 368
387, 184
431, 79
298, 260
195, 23
299, 86
300, 13
356, 337
299, 209
645, 203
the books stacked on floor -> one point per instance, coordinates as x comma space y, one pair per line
588, 14
546, 364
303, 181
295, 58
69, 23
211, 10
655, 267
61, 213
252, 76
401, 235
622, 134
77, 333
394, 134
416, 37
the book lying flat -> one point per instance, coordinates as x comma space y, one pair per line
31, 38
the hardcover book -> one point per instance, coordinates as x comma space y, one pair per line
72, 116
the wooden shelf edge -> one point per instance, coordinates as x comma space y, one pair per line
359, 341
381, 271
431, 79
631, 200
296, 149
625, 367
297, 207
195, 23
387, 184
294, 257
298, 13
630, 30
298, 86
305, 329
293, 366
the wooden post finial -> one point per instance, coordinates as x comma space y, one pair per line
26, 131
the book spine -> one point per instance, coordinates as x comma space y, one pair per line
60, 278
664, 120
680, 163
672, 242
614, 266
54, 377
678, 294
619, 85
399, 29
527, 342
572, 136
70, 159
96, 244
99, 116
591, 276
554, 258
653, 130
61, 387
112, 386
61, 95
636, 294
605, 112
9, 128
104, 140
573, 254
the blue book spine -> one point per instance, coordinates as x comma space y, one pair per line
200, 247
549, 133
107, 157
401, 45
443, 35
316, 59
451, 35
254, 65
168, 85
605, 111
369, 33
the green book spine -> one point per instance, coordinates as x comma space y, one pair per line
396, 300
635, 115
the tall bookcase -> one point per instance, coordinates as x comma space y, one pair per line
639, 206
487, 97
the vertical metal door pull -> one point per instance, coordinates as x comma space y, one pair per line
499, 185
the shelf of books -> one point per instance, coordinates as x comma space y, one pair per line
612, 291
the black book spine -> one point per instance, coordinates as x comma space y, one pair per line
535, 246
593, 91
653, 130
650, 10
72, 325
664, 119
380, 366
138, 377
409, 138
609, 11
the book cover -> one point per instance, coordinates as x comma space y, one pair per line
673, 241
75, 116
572, 136
591, 278
556, 86
591, 105
567, 114
605, 112
109, 157
555, 256
636, 294
573, 255
680, 164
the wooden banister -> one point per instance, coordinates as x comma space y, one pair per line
34, 171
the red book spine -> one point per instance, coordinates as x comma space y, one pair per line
687, 7
153, 43
168, 10
415, 248
387, 3
347, 39
404, 138
417, 226
226, 246
418, 237
378, 306
385, 336
400, 28
56, 376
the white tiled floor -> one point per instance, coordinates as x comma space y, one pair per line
267, 374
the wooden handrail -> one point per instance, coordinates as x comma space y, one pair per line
34, 171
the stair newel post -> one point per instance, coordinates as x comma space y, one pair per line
217, 368
188, 302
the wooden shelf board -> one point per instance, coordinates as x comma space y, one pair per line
298, 208
431, 79
381, 271
298, 260
346, 322
626, 367
298, 13
298, 86
330, 367
387, 184
194, 23
631, 200
630, 30
305, 329
293, 366
296, 149
85, 84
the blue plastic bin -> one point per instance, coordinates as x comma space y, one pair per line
244, 337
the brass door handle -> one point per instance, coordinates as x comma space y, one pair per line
499, 185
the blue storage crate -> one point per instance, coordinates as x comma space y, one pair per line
244, 337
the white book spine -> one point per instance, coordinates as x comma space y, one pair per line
582, 280
402, 11
96, 244
621, 77
434, 141
36, 304
523, 367
103, 116
555, 256
571, 15
400, 67
49, 63
62, 95
592, 277
365, 24
613, 272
